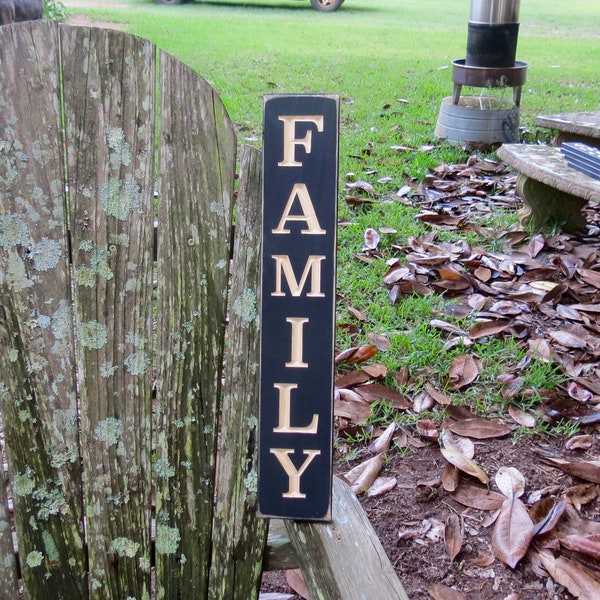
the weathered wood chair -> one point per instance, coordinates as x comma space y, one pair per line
128, 324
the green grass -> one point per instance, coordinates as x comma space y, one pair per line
390, 63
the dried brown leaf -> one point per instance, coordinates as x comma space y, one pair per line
453, 537
466, 465
546, 513
382, 443
371, 238
459, 443
521, 417
382, 485
427, 429
463, 371
579, 442
477, 497
438, 395
295, 580
580, 582
589, 470
450, 477
510, 482
485, 328
439, 591
362, 476
375, 370
512, 533
479, 428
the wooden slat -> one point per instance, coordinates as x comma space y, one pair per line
109, 91
37, 374
344, 559
197, 168
238, 535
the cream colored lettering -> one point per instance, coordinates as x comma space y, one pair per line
308, 215
297, 345
284, 265
290, 141
283, 456
285, 412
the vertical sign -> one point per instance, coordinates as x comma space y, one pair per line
300, 173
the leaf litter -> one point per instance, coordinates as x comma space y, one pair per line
463, 508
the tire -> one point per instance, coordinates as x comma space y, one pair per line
169, 1
326, 5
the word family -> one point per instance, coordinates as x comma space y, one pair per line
300, 170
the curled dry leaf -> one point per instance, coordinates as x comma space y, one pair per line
382, 485
453, 536
589, 470
362, 354
295, 580
521, 417
463, 371
579, 442
512, 533
466, 465
460, 444
584, 544
371, 239
362, 476
382, 443
510, 482
375, 370
427, 429
546, 513
422, 402
437, 395
450, 477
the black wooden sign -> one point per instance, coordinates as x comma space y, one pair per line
300, 170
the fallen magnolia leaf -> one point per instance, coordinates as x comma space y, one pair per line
512, 533
453, 535
422, 402
464, 464
439, 591
567, 339
578, 580
589, 470
375, 370
584, 493
295, 580
584, 544
382, 485
463, 371
521, 417
450, 477
486, 328
479, 428
477, 497
459, 443
362, 476
437, 395
427, 429
510, 482
579, 442
371, 238
382, 443
362, 354
545, 514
